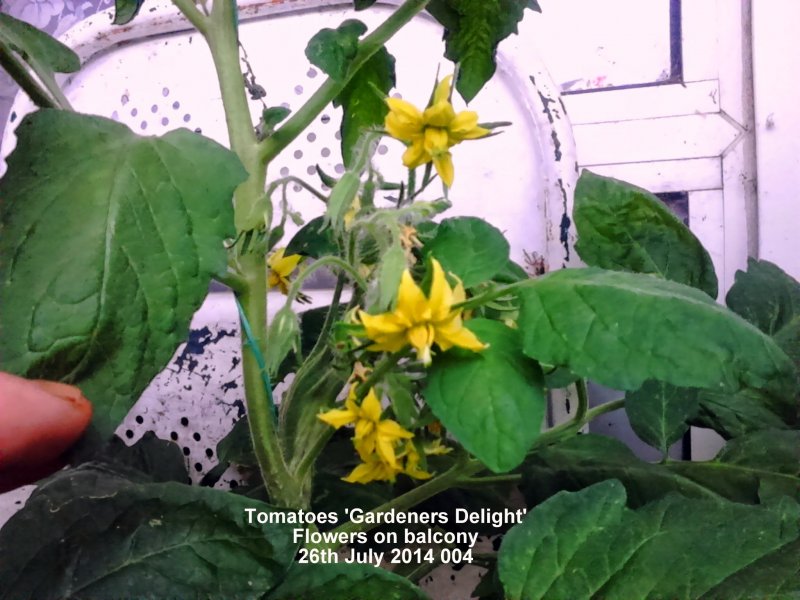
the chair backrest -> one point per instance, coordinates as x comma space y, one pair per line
155, 75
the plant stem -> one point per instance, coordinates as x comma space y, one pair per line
419, 494
220, 31
322, 262
490, 479
331, 88
223, 41
282, 488
603, 409
16, 69
193, 15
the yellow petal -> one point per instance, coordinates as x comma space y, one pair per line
416, 155
404, 120
337, 418
404, 111
440, 114
412, 305
435, 141
275, 257
442, 91
364, 473
393, 430
464, 126
365, 446
421, 338
441, 296
453, 333
371, 407
444, 167
382, 324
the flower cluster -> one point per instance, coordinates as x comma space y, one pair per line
430, 134
422, 321
385, 448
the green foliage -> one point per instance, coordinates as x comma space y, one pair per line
769, 298
775, 576
470, 248
315, 239
138, 226
362, 4
392, 265
126, 10
492, 401
622, 329
473, 29
749, 470
661, 550
344, 582
753, 468
362, 100
237, 447
37, 48
587, 459
659, 412
745, 411
332, 50
270, 117
97, 532
284, 335
625, 228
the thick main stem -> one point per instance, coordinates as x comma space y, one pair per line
222, 36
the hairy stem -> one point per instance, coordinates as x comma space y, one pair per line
331, 88
19, 73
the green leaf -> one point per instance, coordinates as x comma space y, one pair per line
625, 228
392, 265
37, 48
735, 414
587, 459
362, 4
746, 464
90, 533
739, 473
270, 117
126, 10
473, 29
661, 550
284, 336
492, 401
470, 248
622, 329
344, 582
160, 460
315, 239
362, 100
765, 295
332, 50
237, 447
109, 243
775, 576
769, 298
399, 389
658, 413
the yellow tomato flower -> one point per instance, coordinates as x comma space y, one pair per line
280, 267
431, 133
419, 321
373, 435
412, 463
372, 469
